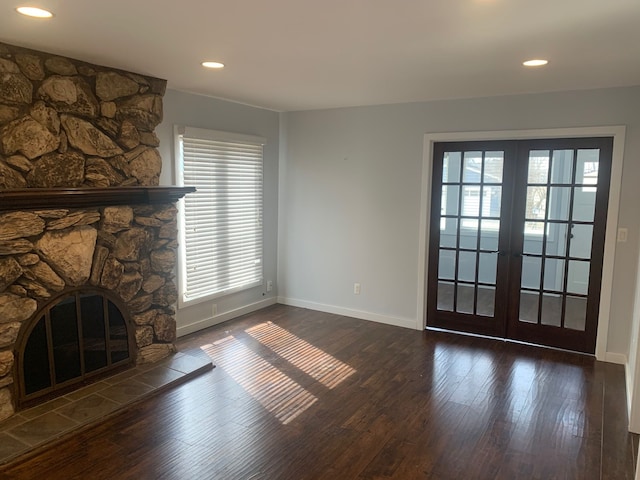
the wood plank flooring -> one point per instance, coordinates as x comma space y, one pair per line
299, 394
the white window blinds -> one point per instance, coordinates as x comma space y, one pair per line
222, 221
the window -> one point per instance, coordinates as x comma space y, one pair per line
221, 223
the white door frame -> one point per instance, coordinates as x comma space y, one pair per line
618, 134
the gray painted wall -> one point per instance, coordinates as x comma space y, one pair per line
350, 189
350, 186
204, 112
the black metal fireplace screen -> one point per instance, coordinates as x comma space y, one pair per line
79, 336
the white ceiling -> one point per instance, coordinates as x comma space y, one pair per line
301, 54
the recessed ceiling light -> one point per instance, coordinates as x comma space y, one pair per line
213, 64
34, 12
535, 63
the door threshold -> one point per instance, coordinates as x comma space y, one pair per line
509, 340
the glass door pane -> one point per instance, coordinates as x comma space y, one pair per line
471, 196
558, 236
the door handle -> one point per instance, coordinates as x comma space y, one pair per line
515, 254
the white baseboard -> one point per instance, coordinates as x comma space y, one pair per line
633, 427
617, 358
348, 312
223, 317
621, 359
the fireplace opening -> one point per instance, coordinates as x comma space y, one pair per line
78, 337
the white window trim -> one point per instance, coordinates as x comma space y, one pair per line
217, 135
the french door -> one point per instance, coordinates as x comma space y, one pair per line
517, 239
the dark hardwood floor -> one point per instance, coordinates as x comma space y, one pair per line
299, 394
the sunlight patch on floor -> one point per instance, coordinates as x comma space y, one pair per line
319, 365
274, 390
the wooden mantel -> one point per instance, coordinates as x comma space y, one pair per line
40, 198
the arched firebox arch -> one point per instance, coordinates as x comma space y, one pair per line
76, 337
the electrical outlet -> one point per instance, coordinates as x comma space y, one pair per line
622, 234
214, 309
356, 289
269, 285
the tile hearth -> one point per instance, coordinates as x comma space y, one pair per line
50, 421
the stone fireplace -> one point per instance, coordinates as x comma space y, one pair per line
80, 215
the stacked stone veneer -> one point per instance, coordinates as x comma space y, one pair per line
66, 123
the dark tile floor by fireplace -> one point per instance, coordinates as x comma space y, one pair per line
298, 394
48, 422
